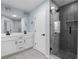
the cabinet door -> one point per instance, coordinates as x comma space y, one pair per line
8, 47
28, 42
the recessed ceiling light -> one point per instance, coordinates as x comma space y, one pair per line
14, 15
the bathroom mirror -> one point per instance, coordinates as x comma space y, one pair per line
13, 20
10, 25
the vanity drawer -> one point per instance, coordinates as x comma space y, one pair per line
27, 43
19, 42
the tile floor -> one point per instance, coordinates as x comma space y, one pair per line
29, 54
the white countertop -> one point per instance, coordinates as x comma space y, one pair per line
15, 34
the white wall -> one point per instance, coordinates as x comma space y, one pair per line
43, 8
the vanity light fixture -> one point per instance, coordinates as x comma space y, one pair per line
52, 8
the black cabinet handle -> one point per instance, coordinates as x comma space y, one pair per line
43, 34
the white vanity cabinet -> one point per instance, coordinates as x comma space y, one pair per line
8, 47
13, 44
24, 42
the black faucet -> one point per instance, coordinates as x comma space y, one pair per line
25, 32
7, 33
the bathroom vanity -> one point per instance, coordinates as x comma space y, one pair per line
15, 36
15, 42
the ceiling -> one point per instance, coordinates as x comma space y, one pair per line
60, 3
11, 13
25, 5
29, 5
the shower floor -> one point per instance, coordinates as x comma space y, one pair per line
66, 55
